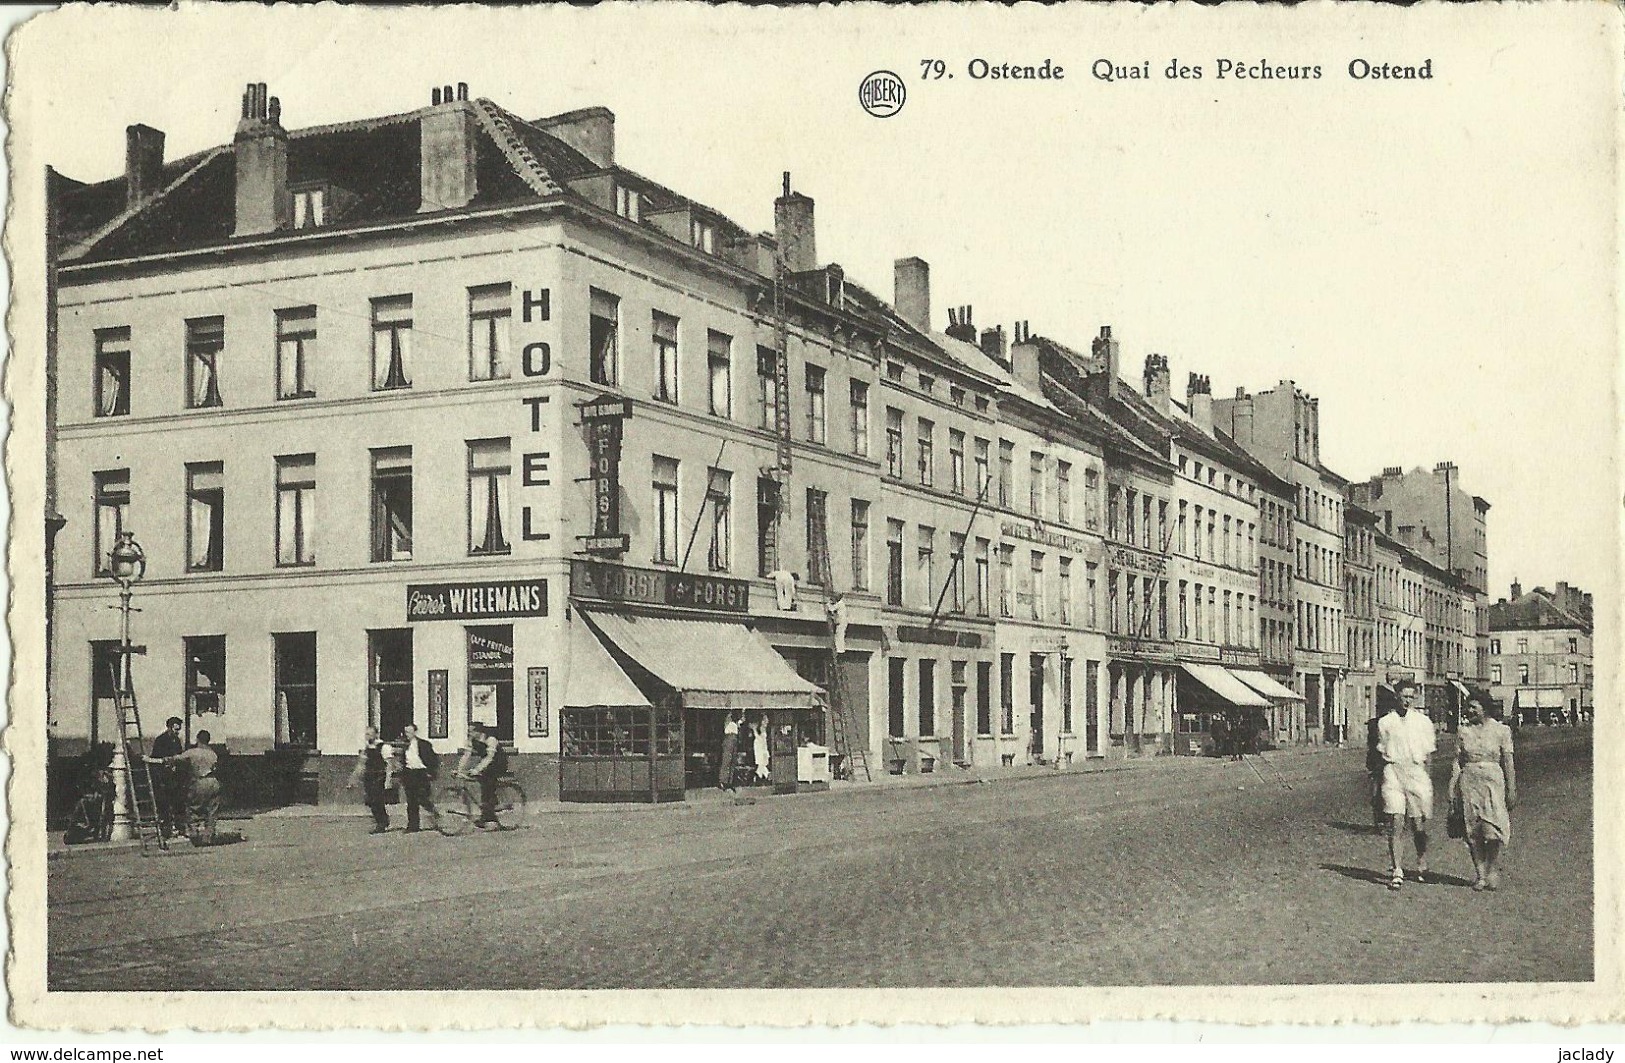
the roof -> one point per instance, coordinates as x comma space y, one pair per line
371, 169
1536, 609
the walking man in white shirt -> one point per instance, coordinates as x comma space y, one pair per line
1405, 741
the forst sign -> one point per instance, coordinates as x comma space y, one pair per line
603, 419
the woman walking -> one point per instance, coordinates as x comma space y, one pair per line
1484, 781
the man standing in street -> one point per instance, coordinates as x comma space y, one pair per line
1405, 741
420, 764
168, 785
203, 789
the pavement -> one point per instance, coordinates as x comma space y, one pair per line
1174, 871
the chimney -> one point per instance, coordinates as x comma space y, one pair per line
911, 292
1103, 352
1024, 357
1241, 419
143, 163
959, 324
994, 344
793, 220
1562, 594
1393, 472
1517, 589
261, 151
1157, 383
1199, 394
446, 152
590, 131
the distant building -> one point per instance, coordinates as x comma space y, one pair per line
1432, 514
1540, 654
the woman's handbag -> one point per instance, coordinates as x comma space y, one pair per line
1455, 824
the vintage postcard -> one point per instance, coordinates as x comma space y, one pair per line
700, 514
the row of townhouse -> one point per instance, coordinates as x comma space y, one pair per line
446, 417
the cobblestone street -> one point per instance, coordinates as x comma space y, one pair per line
1174, 872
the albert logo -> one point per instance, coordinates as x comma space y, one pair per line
882, 94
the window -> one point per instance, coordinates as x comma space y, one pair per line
1574, 644
894, 442
1184, 614
1039, 595
205, 516
309, 208
1092, 590
1523, 645
205, 674
1007, 693
1091, 499
1063, 492
927, 453
295, 692
1113, 494
295, 351
928, 697
113, 371
1225, 557
665, 510
1007, 580
1129, 522
490, 315
860, 418
817, 422
1066, 694
1574, 672
604, 339
818, 538
489, 467
296, 509
392, 504
982, 576
894, 562
1197, 613
1162, 525
1162, 609
1113, 605
389, 679
719, 358
925, 549
1145, 523
1495, 674
767, 526
703, 235
860, 545
894, 371
956, 571
928, 384
983, 476
1523, 673
628, 203
1007, 459
956, 461
956, 395
205, 339
392, 343
1066, 591
895, 677
984, 697
665, 357
767, 380
1035, 484
112, 514
720, 493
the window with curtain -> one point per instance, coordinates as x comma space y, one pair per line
860, 418
720, 495
295, 693
489, 466
719, 359
205, 516
112, 513
296, 509
392, 342
490, 320
860, 545
113, 371
205, 341
295, 352
604, 328
392, 504
767, 384
817, 405
665, 510
665, 357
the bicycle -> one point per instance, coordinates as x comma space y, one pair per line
92, 817
457, 805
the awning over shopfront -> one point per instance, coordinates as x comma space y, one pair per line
1266, 686
1224, 685
595, 680
1544, 698
711, 665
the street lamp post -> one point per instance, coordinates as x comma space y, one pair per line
127, 564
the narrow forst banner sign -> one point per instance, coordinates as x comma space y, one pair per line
493, 600
603, 420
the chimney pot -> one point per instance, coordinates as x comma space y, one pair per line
434, 96
462, 90
275, 114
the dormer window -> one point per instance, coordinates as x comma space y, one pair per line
703, 235
894, 371
927, 384
309, 208
628, 203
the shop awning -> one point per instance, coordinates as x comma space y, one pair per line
1224, 685
1265, 685
1544, 698
595, 680
711, 665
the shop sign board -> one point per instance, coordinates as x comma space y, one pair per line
1135, 560
605, 419
1141, 649
936, 636
650, 586
491, 600
1043, 536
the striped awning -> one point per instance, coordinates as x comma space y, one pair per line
1223, 685
710, 665
1265, 685
594, 680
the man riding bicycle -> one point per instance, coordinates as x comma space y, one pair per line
484, 760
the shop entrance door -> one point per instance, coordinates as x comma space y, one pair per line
957, 684
1036, 702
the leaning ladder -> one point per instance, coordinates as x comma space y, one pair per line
142, 794
850, 755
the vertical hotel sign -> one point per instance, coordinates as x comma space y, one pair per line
604, 419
